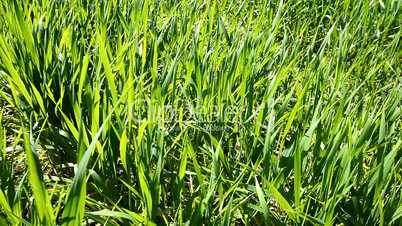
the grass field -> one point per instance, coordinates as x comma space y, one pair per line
215, 112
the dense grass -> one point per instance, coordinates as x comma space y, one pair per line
213, 112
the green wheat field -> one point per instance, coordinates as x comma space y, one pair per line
200, 112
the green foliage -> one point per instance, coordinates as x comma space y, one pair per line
198, 112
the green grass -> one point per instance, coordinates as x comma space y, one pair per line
214, 112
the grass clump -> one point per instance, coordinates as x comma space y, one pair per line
200, 112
